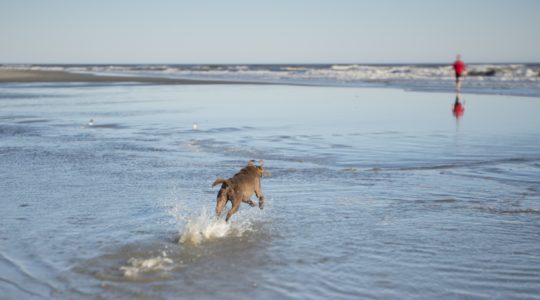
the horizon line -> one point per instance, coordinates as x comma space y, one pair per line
263, 63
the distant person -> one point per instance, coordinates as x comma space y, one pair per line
459, 108
460, 69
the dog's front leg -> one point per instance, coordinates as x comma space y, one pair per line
248, 201
260, 195
261, 202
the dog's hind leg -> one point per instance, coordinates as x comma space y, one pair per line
220, 205
233, 210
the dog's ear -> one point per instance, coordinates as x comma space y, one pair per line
251, 162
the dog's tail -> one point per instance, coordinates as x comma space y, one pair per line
221, 181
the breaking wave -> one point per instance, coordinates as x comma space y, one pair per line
512, 79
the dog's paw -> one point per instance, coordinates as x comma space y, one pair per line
261, 205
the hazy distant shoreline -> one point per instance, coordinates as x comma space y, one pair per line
34, 76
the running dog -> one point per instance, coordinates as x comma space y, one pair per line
240, 187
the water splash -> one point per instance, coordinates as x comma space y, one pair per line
203, 227
196, 228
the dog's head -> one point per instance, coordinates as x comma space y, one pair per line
260, 169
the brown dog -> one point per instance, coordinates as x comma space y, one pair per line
240, 187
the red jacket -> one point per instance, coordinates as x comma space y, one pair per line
459, 67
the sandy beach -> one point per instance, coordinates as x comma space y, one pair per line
28, 76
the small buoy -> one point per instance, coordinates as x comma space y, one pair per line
195, 126
91, 122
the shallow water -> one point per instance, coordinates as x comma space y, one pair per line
374, 193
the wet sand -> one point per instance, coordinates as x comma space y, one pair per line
28, 76
375, 193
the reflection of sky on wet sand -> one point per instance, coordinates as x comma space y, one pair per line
360, 110
330, 109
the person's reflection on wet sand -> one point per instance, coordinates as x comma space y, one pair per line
459, 107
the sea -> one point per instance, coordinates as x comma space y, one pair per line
377, 189
520, 79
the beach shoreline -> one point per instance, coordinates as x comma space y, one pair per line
279, 75
36, 76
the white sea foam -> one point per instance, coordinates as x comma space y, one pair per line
507, 78
137, 266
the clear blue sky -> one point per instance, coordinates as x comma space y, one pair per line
276, 31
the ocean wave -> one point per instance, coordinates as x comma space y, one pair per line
501, 78
341, 71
